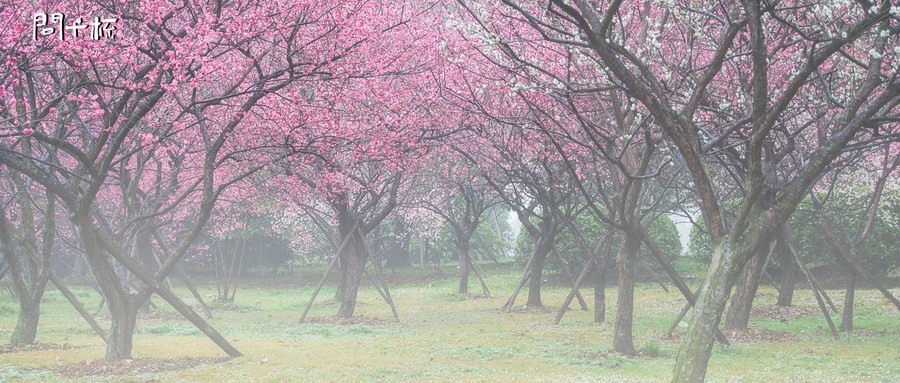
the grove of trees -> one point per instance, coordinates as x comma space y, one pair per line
207, 133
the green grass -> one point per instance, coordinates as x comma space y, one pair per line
445, 336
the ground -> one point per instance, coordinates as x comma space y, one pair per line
444, 336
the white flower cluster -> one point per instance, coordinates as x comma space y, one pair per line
874, 54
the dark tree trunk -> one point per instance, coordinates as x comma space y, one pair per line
847, 318
29, 267
142, 251
788, 272
623, 341
463, 266
542, 249
121, 335
600, 292
693, 356
600, 284
27, 324
744, 292
355, 260
340, 293
122, 314
28, 291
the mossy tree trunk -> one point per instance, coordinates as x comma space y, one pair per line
788, 270
623, 339
352, 281
600, 287
29, 266
464, 254
122, 313
541, 249
847, 316
353, 261
693, 356
745, 292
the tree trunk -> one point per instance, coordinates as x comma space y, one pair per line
340, 293
355, 260
693, 356
600, 293
29, 272
423, 247
463, 266
745, 291
788, 271
847, 318
788, 275
27, 324
122, 314
121, 334
623, 341
600, 284
542, 249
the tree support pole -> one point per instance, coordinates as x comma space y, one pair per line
337, 256
478, 273
815, 289
380, 275
848, 255
148, 279
78, 306
681, 314
652, 273
568, 273
591, 261
190, 286
565, 306
675, 277
522, 280
180, 272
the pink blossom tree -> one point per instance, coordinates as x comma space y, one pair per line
786, 50
173, 112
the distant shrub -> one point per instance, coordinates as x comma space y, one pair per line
879, 253
662, 229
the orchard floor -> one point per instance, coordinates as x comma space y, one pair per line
448, 337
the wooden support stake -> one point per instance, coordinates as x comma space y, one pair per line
380, 275
815, 289
78, 306
523, 279
478, 273
652, 273
568, 273
337, 255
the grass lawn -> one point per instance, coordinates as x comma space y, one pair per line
445, 336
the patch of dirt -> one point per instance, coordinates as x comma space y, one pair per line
401, 279
750, 335
481, 296
155, 314
676, 337
131, 366
529, 309
757, 334
358, 320
872, 334
233, 308
7, 349
781, 313
600, 358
